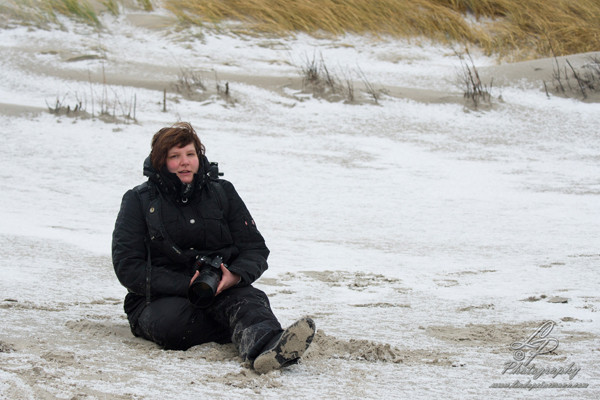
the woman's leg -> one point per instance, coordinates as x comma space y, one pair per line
175, 324
247, 313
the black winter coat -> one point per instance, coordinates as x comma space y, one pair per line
198, 222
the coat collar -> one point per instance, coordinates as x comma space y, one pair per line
170, 185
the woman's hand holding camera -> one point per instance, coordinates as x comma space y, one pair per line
228, 280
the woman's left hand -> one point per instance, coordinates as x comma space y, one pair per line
228, 280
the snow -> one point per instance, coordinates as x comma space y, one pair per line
383, 220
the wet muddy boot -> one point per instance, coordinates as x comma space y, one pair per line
286, 348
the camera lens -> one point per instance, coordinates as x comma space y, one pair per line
202, 291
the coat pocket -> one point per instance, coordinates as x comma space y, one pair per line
217, 234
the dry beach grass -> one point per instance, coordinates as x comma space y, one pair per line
506, 27
516, 29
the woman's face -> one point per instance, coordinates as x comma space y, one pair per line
183, 161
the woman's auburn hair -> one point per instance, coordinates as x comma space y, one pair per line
178, 135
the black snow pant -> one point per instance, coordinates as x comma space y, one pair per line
239, 315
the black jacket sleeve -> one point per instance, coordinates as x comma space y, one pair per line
251, 261
129, 254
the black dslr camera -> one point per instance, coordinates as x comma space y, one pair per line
201, 292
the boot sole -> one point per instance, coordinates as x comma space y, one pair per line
292, 345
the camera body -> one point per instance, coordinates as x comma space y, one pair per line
201, 292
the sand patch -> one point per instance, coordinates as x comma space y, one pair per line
353, 280
28, 305
60, 357
326, 347
6, 347
481, 335
446, 282
552, 299
553, 264
212, 352
93, 328
270, 282
380, 305
534, 298
499, 335
479, 307
463, 273
248, 379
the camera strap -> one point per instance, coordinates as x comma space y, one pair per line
148, 273
152, 206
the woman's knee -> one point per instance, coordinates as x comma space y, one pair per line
175, 324
249, 294
164, 321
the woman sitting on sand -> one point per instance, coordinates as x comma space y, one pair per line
187, 250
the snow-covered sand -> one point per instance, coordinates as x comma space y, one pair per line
424, 237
